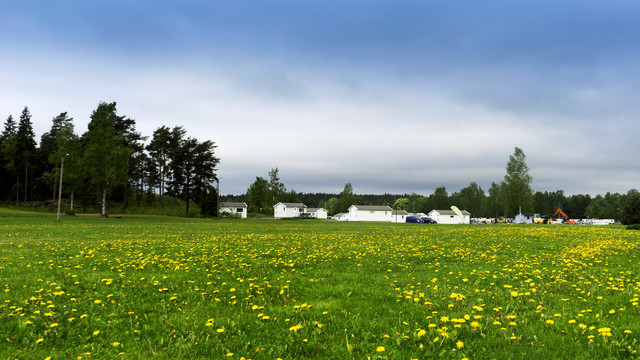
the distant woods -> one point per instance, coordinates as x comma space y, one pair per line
107, 164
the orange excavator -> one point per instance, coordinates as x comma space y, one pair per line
566, 218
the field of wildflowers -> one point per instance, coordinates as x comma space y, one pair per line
145, 286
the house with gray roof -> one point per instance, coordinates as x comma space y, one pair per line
370, 213
289, 210
234, 209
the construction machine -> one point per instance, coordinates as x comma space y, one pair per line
566, 218
537, 219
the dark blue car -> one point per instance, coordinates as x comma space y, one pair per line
413, 219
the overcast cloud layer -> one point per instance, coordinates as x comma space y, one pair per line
392, 96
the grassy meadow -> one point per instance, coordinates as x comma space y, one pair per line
166, 287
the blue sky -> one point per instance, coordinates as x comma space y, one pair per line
392, 96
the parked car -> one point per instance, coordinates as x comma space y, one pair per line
413, 219
428, 220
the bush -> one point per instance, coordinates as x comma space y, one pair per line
633, 227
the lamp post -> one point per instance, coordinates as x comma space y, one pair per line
60, 187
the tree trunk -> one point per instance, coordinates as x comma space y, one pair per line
71, 202
17, 191
26, 168
104, 203
162, 186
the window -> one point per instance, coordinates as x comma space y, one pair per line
239, 210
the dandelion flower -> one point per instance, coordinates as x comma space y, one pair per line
459, 344
380, 349
96, 332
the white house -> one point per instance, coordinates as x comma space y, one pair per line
399, 216
449, 217
341, 217
524, 218
288, 210
317, 213
370, 213
234, 209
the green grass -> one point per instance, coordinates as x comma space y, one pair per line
166, 287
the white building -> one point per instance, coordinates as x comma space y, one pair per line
234, 209
370, 213
317, 213
341, 217
288, 210
449, 217
399, 216
524, 218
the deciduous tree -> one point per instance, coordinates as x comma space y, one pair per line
517, 184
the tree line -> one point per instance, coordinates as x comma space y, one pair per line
505, 198
108, 163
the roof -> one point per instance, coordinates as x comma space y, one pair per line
233, 204
315, 209
292, 204
400, 212
372, 208
451, 212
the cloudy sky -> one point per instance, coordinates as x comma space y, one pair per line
393, 96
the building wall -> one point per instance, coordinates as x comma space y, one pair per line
234, 210
321, 214
282, 211
448, 219
366, 215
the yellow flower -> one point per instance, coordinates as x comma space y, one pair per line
96, 332
459, 344
475, 324
53, 325
295, 327
380, 349
39, 341
550, 322
421, 333
115, 343
220, 330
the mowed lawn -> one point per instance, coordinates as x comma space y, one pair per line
164, 287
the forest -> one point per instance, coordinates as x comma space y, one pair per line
109, 164
112, 166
